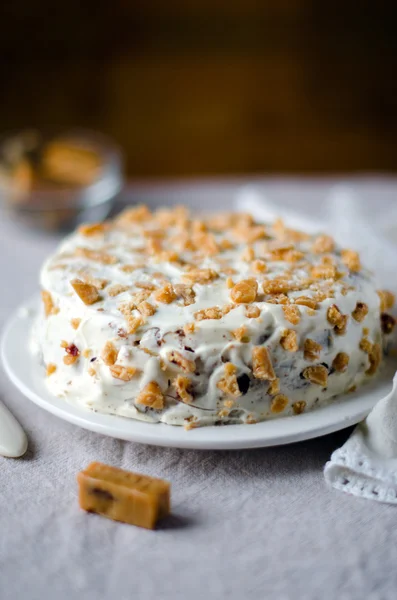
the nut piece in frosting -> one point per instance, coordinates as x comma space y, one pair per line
228, 383
317, 374
109, 354
49, 308
123, 496
244, 292
261, 364
87, 292
123, 373
151, 396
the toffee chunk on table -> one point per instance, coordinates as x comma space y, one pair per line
124, 496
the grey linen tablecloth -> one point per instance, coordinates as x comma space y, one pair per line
245, 525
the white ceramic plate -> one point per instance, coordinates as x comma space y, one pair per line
25, 373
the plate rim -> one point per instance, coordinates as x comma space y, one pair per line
284, 430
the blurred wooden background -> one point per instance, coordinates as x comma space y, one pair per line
209, 87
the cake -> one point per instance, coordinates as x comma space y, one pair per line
218, 319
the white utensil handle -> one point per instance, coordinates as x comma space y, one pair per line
13, 441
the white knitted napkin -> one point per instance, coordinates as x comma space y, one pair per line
366, 465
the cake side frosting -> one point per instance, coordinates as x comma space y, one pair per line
165, 317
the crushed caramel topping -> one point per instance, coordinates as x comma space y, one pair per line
229, 403
176, 358
86, 353
289, 340
375, 357
202, 276
96, 281
117, 289
277, 286
351, 259
279, 299
323, 272
317, 374
166, 217
51, 368
150, 352
145, 285
126, 308
183, 387
244, 292
284, 233
75, 323
185, 292
123, 373
248, 254
154, 245
258, 266
225, 244
226, 308
224, 412
292, 314
139, 297
335, 317
92, 229
387, 300
205, 244
360, 312
91, 371
311, 350
341, 362
365, 345
306, 301
86, 292
208, 313
146, 309
322, 244
299, 407
241, 334
189, 328
286, 255
262, 367
165, 295
49, 307
274, 387
129, 268
168, 256
230, 283
72, 353
151, 396
252, 312
133, 323
251, 419
96, 256
279, 403
129, 216
191, 424
228, 383
69, 359
249, 234
109, 354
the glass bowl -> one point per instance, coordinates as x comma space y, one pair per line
57, 181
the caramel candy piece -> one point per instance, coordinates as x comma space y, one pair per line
123, 496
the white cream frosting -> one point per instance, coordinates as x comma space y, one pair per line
89, 381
